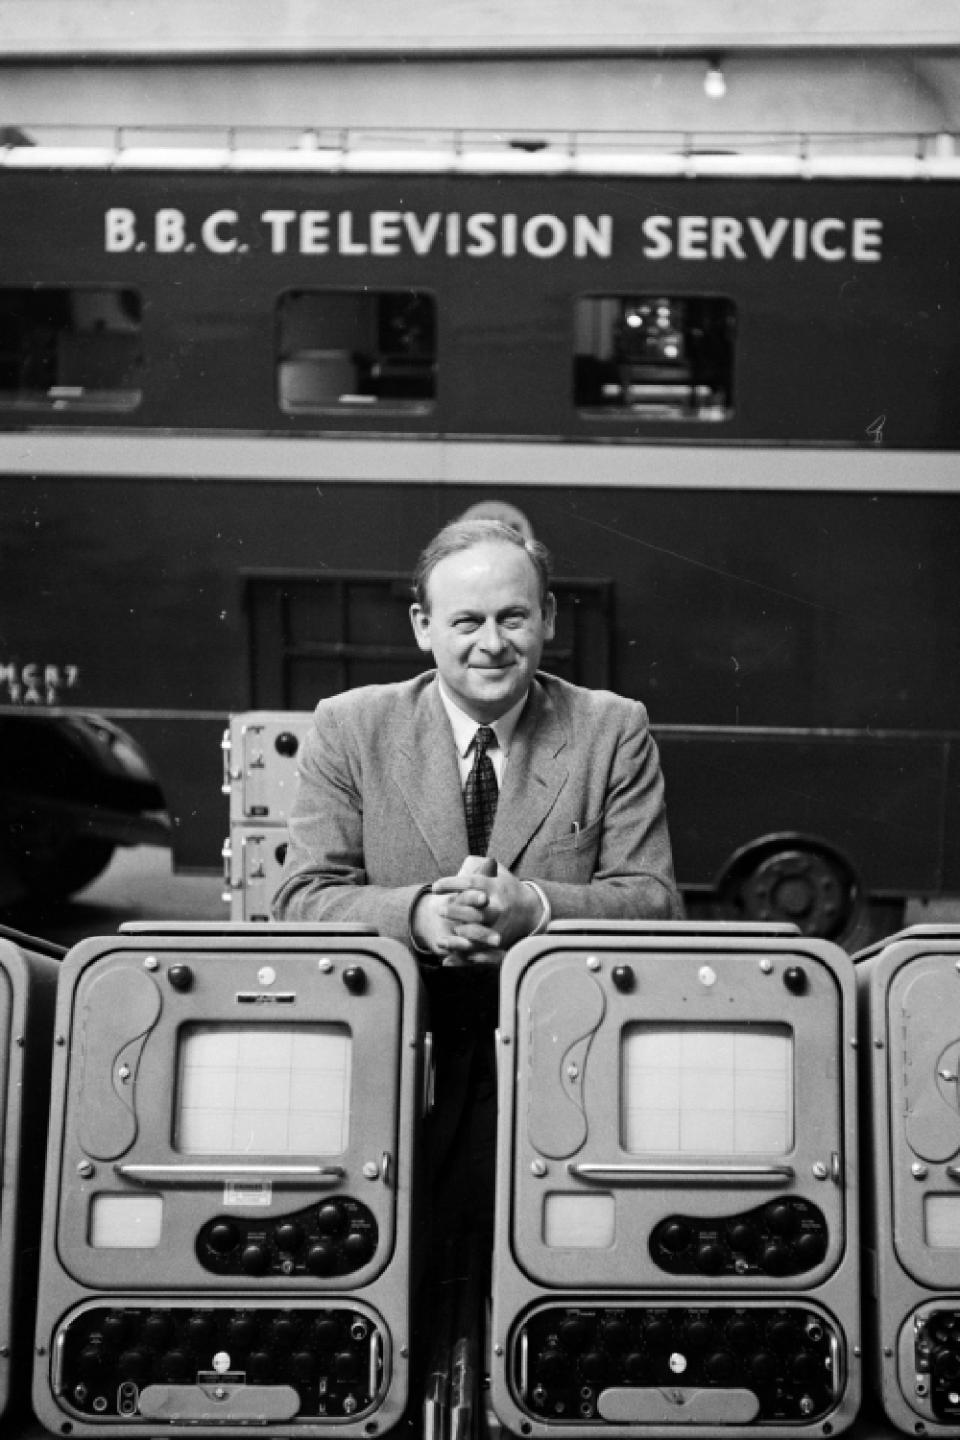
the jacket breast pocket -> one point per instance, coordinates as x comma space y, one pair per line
573, 856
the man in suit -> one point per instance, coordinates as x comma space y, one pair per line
379, 833
384, 828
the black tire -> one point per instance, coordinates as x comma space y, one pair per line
42, 862
794, 879
878, 919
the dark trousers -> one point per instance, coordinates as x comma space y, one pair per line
461, 1134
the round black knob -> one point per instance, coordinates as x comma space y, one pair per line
594, 1367
762, 1368
623, 978
711, 1258
777, 1258
806, 1368
574, 1332
659, 1332
637, 1368
303, 1366
741, 1331
116, 1328
355, 979
175, 1366
946, 1364
288, 1235
321, 1258
348, 1365
357, 1247
811, 1247
91, 1360
242, 1330
698, 1334
134, 1365
223, 1236
615, 1333
331, 1220
283, 1330
325, 1332
286, 743
260, 1367
782, 1219
551, 1365
180, 977
742, 1237
721, 1367
783, 1333
156, 1330
795, 980
675, 1236
254, 1259
200, 1329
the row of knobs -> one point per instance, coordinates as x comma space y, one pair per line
179, 1366
322, 1253
720, 1366
153, 1346
665, 1332
773, 1238
660, 1349
938, 1347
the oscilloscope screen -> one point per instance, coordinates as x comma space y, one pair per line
263, 1089
695, 1089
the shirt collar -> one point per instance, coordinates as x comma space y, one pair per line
464, 728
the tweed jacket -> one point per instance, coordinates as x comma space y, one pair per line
379, 810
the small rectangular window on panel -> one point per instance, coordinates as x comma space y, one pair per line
359, 349
64, 348
655, 357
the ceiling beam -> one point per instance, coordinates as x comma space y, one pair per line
72, 30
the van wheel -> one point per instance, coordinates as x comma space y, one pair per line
42, 862
789, 878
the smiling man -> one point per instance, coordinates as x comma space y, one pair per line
405, 791
392, 777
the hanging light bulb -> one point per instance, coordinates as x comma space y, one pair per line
714, 84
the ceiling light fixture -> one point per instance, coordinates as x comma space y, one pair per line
714, 83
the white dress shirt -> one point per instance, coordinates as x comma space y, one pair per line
464, 730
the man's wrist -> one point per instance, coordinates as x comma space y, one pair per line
418, 948
546, 914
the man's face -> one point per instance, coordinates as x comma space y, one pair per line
485, 626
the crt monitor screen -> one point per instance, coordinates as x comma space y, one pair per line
263, 1089
696, 1089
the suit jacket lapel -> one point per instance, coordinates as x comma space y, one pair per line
534, 777
427, 774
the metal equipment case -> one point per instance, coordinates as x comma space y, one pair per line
259, 775
909, 995
676, 1235
227, 1220
28, 980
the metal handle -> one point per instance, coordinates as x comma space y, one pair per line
205, 1174
217, 1403
56, 1362
636, 1174
836, 1367
429, 1077
523, 1364
225, 784
374, 1374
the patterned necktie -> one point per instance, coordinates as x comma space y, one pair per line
480, 794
